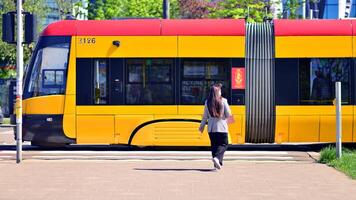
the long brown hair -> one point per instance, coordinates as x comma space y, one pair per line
214, 101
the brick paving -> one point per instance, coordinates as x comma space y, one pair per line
109, 154
65, 179
6, 136
170, 179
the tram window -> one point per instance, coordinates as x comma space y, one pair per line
49, 77
317, 79
199, 75
150, 81
100, 82
49, 70
59, 76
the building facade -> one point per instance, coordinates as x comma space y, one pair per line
332, 8
321, 9
78, 7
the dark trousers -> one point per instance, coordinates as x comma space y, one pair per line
219, 143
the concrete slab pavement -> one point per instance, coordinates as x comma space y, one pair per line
255, 156
109, 174
172, 180
7, 136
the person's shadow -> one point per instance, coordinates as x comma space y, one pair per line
174, 169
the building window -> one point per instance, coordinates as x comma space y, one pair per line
149, 81
317, 79
331, 11
199, 75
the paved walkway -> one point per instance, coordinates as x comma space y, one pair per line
109, 154
130, 179
109, 174
6, 136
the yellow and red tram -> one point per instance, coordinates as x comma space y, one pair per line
143, 81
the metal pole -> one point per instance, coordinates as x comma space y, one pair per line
19, 69
311, 14
307, 9
166, 9
304, 9
338, 119
341, 10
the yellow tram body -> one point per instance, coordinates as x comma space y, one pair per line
177, 125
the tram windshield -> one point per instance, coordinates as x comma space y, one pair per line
48, 73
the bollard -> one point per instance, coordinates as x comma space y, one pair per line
338, 119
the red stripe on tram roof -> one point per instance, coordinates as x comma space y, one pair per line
149, 27
61, 28
353, 22
223, 27
204, 27
285, 27
130, 27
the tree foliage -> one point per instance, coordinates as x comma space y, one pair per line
110, 9
291, 9
8, 51
253, 10
64, 7
195, 9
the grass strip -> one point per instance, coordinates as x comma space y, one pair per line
6, 121
346, 164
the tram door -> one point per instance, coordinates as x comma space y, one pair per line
99, 88
116, 81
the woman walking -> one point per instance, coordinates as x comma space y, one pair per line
218, 114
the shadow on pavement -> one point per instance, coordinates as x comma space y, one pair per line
179, 170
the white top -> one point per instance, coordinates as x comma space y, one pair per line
216, 124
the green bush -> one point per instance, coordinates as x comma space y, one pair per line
6, 121
327, 155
